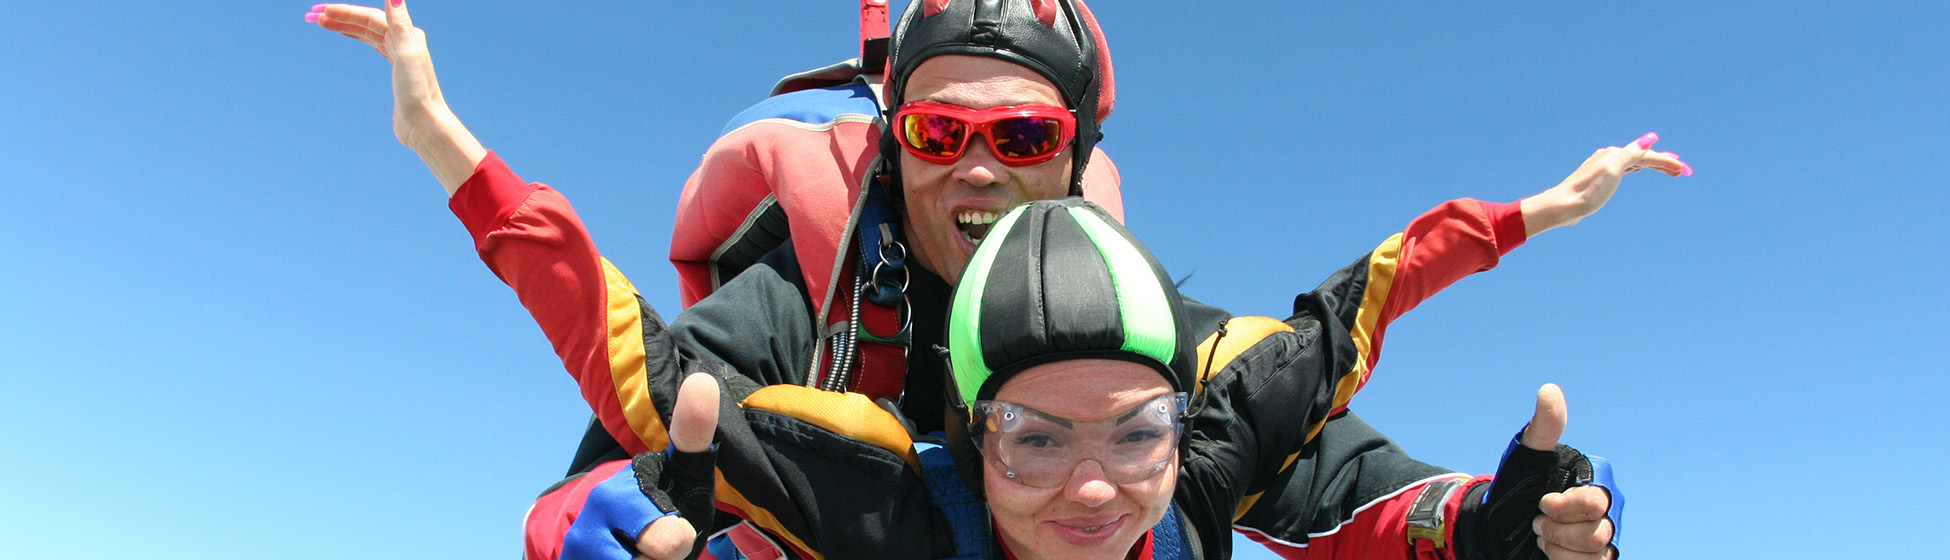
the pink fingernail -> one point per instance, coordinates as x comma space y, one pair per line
319, 7
311, 17
1646, 142
396, 3
1685, 170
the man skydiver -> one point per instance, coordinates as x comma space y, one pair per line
973, 188
1081, 413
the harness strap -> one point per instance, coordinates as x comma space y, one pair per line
967, 514
876, 346
1168, 540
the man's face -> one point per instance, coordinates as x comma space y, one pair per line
949, 207
1089, 516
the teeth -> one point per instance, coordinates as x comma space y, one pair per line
976, 217
1092, 529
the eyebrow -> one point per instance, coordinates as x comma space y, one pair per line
1070, 424
1060, 421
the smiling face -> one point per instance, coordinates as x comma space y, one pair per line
1089, 516
950, 206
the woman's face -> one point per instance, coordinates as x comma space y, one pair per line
1088, 516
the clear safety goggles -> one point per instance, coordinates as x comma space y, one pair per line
1041, 450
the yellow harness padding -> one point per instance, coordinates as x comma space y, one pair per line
1240, 333
851, 415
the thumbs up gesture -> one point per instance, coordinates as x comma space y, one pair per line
652, 506
1548, 500
682, 481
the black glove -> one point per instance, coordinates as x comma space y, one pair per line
1499, 528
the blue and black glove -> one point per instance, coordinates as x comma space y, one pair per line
1495, 521
654, 485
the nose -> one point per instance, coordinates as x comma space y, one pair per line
1088, 485
978, 165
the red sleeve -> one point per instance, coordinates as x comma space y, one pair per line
548, 521
1377, 530
1459, 238
531, 238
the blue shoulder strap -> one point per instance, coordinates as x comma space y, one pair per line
968, 515
1168, 540
883, 258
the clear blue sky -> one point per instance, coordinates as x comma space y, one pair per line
237, 320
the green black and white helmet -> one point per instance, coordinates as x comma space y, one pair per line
1061, 280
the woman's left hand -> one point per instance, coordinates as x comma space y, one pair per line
1592, 185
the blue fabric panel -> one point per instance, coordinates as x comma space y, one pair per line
615, 503
722, 547
812, 106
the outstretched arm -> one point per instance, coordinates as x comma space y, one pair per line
1456, 239
421, 119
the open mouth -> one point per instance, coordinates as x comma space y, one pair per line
975, 224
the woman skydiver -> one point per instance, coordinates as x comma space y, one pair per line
1082, 419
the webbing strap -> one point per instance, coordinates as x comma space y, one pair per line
1168, 540
967, 515
881, 337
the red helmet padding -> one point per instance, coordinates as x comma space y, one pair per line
815, 172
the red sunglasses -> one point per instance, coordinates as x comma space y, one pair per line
1018, 135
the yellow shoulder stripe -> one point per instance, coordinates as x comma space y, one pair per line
626, 360
760, 516
1381, 275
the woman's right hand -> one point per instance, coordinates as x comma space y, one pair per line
421, 118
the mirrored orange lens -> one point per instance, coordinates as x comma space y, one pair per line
933, 134
1024, 137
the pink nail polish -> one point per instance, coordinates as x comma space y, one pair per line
1685, 170
319, 7
396, 3
311, 17
1646, 142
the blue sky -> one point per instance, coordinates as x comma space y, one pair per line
237, 320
